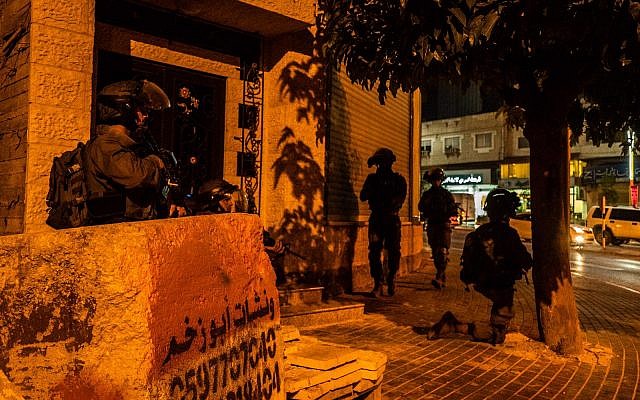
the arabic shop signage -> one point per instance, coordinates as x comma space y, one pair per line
466, 179
609, 172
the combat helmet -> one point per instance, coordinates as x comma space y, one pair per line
501, 204
435, 174
212, 192
118, 102
382, 156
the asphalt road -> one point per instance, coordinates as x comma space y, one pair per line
617, 266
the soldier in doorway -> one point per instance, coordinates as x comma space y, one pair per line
385, 190
121, 184
437, 207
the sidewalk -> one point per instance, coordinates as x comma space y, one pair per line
522, 368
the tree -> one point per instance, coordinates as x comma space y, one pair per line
555, 64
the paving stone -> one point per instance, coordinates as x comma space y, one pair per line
457, 368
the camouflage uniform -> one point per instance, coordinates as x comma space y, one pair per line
437, 206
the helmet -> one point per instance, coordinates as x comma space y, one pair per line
382, 156
117, 102
435, 174
501, 204
212, 192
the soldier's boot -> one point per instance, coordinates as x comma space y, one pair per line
439, 281
392, 286
498, 334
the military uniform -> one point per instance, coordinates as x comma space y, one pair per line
121, 186
503, 262
385, 191
437, 206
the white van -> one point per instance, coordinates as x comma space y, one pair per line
622, 224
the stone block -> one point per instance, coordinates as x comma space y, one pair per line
371, 360
61, 48
73, 15
290, 333
60, 88
54, 124
158, 309
323, 356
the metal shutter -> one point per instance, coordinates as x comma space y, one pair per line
358, 126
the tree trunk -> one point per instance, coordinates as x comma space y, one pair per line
548, 136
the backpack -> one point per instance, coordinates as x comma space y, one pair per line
67, 196
480, 268
477, 266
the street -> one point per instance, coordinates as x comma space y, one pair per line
454, 367
617, 266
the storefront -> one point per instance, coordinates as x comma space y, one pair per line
469, 189
608, 179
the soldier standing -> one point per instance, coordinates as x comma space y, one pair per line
437, 206
385, 190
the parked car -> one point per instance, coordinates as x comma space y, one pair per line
622, 224
578, 235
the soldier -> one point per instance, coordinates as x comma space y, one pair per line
437, 207
494, 257
122, 185
218, 196
385, 190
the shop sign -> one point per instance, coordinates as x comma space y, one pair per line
466, 179
610, 172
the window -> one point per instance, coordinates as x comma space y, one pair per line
193, 128
484, 141
452, 145
425, 147
523, 143
625, 214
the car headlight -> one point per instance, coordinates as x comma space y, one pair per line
579, 239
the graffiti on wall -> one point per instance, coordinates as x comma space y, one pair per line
232, 368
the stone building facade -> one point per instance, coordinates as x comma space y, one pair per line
309, 130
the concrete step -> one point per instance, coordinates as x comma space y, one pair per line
298, 295
324, 313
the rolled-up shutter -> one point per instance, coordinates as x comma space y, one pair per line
358, 126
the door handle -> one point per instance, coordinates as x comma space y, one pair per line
612, 221
634, 223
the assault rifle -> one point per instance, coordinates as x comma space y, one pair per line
172, 190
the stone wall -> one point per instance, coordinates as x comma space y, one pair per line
14, 84
60, 87
147, 310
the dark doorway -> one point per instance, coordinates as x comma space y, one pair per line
194, 126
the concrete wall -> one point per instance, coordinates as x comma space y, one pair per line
14, 86
148, 310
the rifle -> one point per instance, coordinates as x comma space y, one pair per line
173, 186
287, 250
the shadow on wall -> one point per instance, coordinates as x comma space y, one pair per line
329, 250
